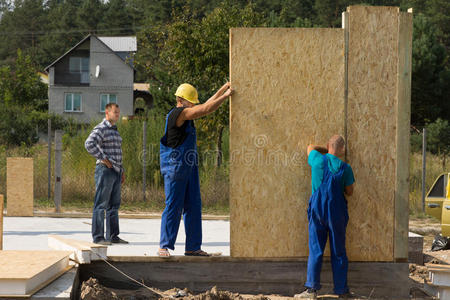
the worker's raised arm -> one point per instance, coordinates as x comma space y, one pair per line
213, 103
312, 147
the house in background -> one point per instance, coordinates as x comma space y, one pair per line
95, 72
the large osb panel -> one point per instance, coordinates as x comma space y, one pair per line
372, 130
289, 93
19, 190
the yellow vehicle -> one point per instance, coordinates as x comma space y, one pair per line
437, 202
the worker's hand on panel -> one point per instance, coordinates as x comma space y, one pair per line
228, 92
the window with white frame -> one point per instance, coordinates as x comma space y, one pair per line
72, 102
105, 99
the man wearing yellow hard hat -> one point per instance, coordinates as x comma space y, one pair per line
179, 166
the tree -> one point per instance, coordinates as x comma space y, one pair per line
89, 15
21, 85
116, 19
438, 138
20, 29
430, 86
197, 52
62, 31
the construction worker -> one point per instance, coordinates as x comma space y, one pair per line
327, 215
179, 167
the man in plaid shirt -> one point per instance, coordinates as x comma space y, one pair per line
105, 144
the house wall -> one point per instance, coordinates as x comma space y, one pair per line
90, 105
116, 77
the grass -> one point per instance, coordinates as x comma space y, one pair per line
78, 167
434, 167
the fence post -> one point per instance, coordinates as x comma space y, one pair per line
49, 159
58, 162
144, 158
424, 165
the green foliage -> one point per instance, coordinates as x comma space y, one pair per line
89, 14
430, 76
21, 85
438, 138
116, 19
196, 51
16, 127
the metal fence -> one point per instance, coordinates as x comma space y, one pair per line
64, 171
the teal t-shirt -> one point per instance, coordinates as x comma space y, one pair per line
315, 160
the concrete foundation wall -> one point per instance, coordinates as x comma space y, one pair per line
282, 277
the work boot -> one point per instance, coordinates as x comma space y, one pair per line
307, 294
103, 242
118, 240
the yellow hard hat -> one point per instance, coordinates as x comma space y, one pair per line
188, 92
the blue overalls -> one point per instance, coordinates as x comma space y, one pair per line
327, 214
179, 166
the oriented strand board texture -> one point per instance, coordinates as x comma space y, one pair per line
26, 264
372, 130
403, 136
289, 92
19, 190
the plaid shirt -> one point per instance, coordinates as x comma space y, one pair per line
105, 142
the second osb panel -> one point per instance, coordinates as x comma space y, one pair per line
372, 127
289, 92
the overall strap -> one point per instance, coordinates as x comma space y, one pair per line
326, 170
167, 119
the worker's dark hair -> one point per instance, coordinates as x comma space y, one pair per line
110, 105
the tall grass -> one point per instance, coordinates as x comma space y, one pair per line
78, 171
78, 167
434, 167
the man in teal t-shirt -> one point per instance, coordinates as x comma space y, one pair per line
316, 162
327, 215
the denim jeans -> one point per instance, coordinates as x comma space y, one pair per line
107, 198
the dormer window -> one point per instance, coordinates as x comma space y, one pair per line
80, 65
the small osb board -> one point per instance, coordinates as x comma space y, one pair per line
289, 92
19, 189
24, 272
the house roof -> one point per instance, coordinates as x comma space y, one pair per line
120, 43
70, 50
82, 41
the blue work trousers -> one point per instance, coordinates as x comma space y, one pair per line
107, 199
